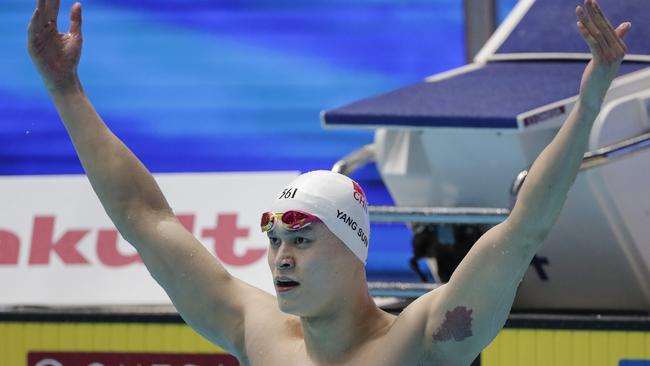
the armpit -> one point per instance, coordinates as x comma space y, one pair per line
457, 326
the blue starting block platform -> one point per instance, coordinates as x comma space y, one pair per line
492, 95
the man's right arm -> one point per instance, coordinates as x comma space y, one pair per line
207, 296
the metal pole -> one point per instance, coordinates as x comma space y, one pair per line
438, 215
480, 23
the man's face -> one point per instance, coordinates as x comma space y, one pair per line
312, 269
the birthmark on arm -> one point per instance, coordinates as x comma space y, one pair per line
457, 325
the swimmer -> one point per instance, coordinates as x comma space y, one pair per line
318, 234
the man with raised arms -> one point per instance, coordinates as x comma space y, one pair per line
318, 233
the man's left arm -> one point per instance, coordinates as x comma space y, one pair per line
464, 315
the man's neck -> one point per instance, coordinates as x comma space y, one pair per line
331, 338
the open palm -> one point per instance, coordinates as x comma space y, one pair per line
55, 55
607, 48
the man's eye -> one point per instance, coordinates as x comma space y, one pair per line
300, 240
275, 242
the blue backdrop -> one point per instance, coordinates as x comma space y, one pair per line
215, 85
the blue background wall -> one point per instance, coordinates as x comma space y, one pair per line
230, 85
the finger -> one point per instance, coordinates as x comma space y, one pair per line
599, 15
31, 29
606, 27
595, 47
52, 10
591, 41
37, 17
600, 28
622, 30
75, 19
40, 6
586, 20
598, 48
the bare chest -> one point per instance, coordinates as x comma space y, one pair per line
376, 353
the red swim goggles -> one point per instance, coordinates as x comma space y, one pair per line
292, 220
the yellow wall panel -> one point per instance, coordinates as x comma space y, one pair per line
4, 339
635, 345
543, 349
18, 339
580, 343
505, 356
616, 347
525, 340
598, 348
562, 347
512, 347
529, 347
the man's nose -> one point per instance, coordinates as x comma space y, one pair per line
284, 259
285, 263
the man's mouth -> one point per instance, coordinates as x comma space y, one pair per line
283, 284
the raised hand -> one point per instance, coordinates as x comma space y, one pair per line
55, 55
607, 48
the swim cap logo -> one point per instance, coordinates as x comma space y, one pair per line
359, 195
288, 193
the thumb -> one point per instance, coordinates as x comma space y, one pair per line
75, 19
622, 29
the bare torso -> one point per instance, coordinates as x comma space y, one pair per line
281, 342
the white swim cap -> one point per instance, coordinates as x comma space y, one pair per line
338, 201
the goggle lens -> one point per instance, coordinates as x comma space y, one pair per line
268, 221
292, 220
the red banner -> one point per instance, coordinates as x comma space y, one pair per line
128, 359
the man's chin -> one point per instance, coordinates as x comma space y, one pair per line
292, 308
287, 308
